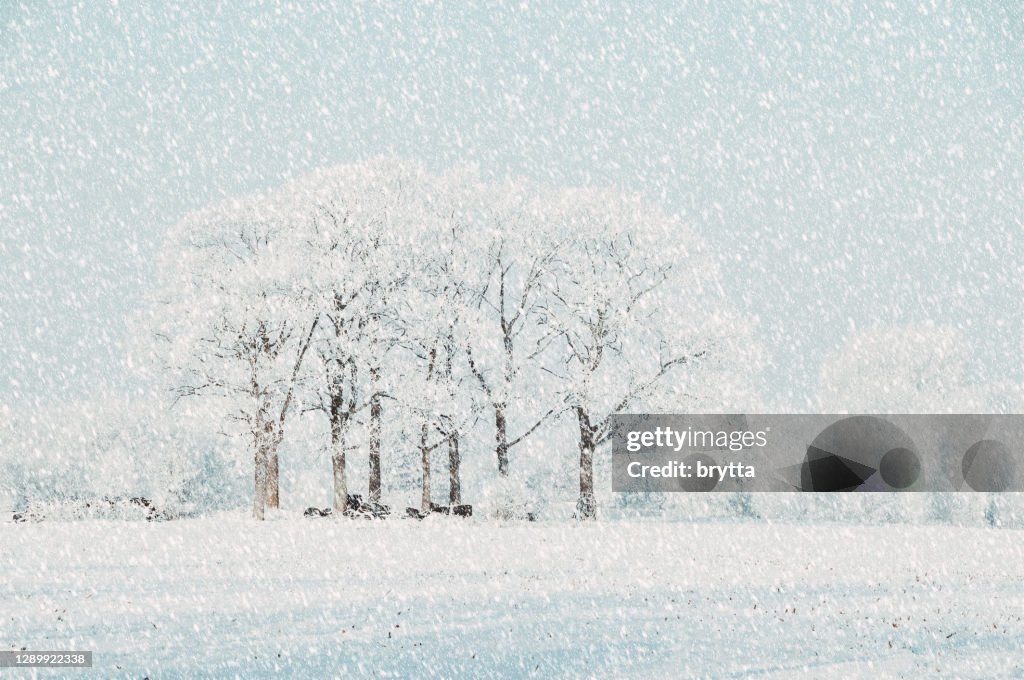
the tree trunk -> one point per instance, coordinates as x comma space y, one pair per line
275, 435
264, 439
501, 438
375, 427
273, 482
586, 507
338, 425
260, 492
425, 463
424, 436
340, 482
454, 478
500, 420
275, 431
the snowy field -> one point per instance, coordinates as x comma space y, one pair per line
319, 598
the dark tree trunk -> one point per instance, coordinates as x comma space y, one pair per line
375, 427
424, 436
338, 422
260, 492
454, 477
273, 482
425, 463
586, 507
276, 436
501, 438
264, 445
338, 471
500, 419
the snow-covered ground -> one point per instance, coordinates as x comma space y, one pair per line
229, 597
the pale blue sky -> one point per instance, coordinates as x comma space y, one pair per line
855, 166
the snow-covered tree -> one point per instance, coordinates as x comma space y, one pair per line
901, 369
920, 368
358, 241
636, 307
112, 447
233, 324
435, 387
510, 253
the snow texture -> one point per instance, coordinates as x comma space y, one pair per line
226, 597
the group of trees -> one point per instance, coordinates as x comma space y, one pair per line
454, 302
